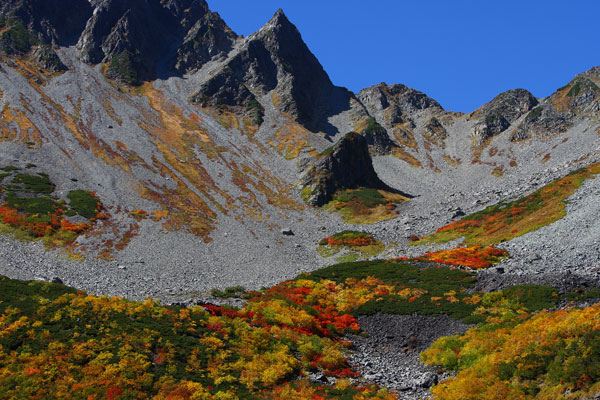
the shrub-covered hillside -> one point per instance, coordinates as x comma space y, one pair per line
56, 341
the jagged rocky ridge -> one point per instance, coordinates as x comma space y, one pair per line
142, 41
137, 40
276, 59
563, 108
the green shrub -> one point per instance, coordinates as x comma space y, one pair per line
39, 183
83, 203
31, 205
372, 127
17, 39
256, 111
581, 84
368, 197
533, 297
229, 292
327, 151
435, 281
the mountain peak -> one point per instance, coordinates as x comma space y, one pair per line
279, 21
280, 17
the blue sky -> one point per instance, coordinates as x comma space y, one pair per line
462, 53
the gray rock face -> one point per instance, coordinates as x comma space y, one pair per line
46, 57
277, 58
347, 165
399, 101
137, 39
435, 131
209, 37
497, 115
57, 22
542, 120
377, 138
560, 111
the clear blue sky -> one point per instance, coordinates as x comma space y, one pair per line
462, 53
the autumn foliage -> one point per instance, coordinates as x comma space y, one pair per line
349, 239
56, 342
475, 257
550, 355
30, 212
506, 220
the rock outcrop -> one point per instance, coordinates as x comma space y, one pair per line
397, 103
377, 138
35, 26
208, 38
346, 165
435, 132
142, 40
498, 115
46, 57
55, 22
578, 99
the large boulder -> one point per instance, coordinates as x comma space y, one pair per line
346, 165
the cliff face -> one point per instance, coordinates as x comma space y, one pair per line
498, 115
139, 40
557, 113
56, 22
346, 165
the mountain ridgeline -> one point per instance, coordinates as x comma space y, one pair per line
148, 151
163, 95
138, 41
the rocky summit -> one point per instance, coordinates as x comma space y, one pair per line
298, 240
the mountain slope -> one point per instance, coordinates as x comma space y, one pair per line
205, 162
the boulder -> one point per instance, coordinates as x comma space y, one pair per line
346, 165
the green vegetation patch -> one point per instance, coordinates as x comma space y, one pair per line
17, 39
529, 355
372, 127
434, 290
229, 292
366, 197
29, 211
39, 183
256, 111
581, 84
359, 244
84, 203
535, 113
56, 340
31, 205
365, 205
123, 67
